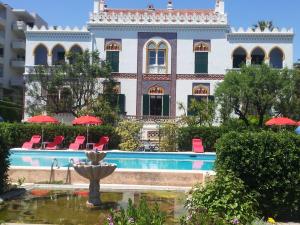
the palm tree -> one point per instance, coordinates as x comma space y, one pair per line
263, 24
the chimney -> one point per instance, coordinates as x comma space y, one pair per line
96, 6
170, 5
102, 6
220, 7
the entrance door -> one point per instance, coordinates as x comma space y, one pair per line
156, 105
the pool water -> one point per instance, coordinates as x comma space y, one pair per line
161, 161
68, 207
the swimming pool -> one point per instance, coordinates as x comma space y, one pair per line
124, 160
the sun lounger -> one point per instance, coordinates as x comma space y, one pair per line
100, 145
198, 145
55, 144
79, 141
35, 139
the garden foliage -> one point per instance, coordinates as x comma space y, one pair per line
169, 133
4, 164
15, 134
129, 133
224, 197
269, 164
141, 214
10, 111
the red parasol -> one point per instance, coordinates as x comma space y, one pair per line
42, 119
281, 121
87, 120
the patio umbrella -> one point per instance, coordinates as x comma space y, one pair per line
297, 130
87, 120
42, 119
281, 121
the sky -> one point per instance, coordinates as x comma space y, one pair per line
241, 13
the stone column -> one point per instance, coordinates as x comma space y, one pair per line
94, 195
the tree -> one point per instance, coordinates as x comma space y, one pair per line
71, 87
264, 24
255, 90
200, 112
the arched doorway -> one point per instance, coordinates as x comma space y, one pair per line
276, 58
156, 102
239, 57
58, 55
40, 55
258, 56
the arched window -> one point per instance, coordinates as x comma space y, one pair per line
157, 58
201, 47
113, 49
276, 58
258, 56
239, 57
58, 55
75, 50
41, 55
156, 90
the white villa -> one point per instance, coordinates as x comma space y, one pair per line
162, 57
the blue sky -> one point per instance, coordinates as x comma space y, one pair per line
242, 13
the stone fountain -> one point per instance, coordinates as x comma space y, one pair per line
95, 171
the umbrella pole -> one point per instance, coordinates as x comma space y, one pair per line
42, 136
87, 134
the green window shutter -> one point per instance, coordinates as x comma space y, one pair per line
122, 103
113, 58
146, 102
201, 62
166, 105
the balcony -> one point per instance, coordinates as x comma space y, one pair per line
2, 21
1, 60
18, 63
19, 26
19, 44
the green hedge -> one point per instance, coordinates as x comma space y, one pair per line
15, 134
4, 164
269, 164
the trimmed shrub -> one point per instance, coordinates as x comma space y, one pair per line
15, 134
269, 164
129, 133
224, 197
168, 132
4, 164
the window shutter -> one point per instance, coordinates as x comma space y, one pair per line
122, 103
201, 62
113, 58
166, 105
146, 102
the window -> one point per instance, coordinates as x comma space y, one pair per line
40, 55
157, 58
58, 55
1, 51
239, 57
1, 71
257, 56
112, 49
201, 50
276, 58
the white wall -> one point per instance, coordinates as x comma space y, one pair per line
129, 88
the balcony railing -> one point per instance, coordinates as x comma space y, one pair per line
18, 63
19, 26
153, 119
19, 44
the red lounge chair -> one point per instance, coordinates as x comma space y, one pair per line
198, 145
56, 142
100, 145
79, 141
35, 139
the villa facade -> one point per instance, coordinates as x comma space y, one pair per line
162, 57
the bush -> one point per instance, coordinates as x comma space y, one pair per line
139, 215
209, 135
129, 133
269, 164
15, 134
4, 164
169, 138
224, 197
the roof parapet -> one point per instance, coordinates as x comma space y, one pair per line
58, 29
250, 30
